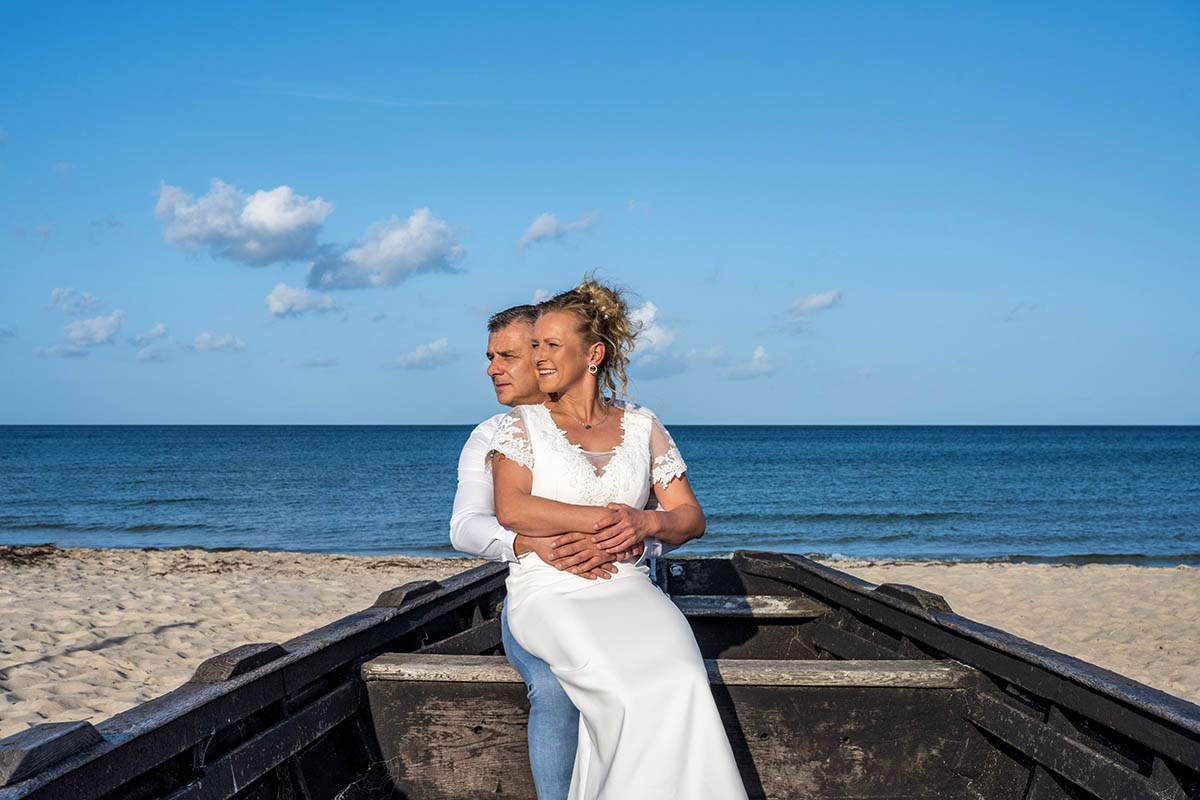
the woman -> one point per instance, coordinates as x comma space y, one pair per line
623, 652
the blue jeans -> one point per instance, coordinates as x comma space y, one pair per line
553, 719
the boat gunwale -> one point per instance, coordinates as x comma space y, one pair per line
1121, 693
169, 724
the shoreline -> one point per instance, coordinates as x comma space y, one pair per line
835, 560
88, 632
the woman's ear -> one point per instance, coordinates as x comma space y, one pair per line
596, 353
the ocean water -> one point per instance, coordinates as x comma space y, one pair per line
1121, 494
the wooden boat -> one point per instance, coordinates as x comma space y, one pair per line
830, 687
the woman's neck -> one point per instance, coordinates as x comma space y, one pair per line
582, 402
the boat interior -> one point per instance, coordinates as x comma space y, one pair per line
829, 687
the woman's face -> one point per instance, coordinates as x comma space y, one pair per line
559, 351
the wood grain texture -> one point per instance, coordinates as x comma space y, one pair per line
455, 669
30, 751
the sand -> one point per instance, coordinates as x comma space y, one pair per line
87, 633
1141, 622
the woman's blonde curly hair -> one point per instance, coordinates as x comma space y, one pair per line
603, 317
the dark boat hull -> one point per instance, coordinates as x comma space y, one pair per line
1011, 720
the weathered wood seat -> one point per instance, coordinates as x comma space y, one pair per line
455, 726
757, 606
721, 671
752, 625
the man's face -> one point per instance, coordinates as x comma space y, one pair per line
510, 365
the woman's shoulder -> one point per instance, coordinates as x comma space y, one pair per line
635, 409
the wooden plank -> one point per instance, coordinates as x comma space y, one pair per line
137, 741
257, 756
34, 749
472, 641
1044, 786
917, 596
844, 644
728, 672
760, 606
1059, 753
743, 637
1165, 723
237, 661
444, 741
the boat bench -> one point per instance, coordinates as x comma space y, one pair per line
452, 726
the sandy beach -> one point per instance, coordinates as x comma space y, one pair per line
86, 633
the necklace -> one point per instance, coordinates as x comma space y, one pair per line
586, 427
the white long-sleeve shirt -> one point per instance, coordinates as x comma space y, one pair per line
474, 529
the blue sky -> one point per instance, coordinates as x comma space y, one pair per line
859, 213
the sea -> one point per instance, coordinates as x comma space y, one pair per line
1008, 493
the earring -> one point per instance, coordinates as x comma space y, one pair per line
593, 369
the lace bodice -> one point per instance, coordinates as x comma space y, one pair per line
566, 472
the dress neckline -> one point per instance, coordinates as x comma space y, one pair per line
578, 448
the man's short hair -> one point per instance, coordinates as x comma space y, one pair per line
508, 316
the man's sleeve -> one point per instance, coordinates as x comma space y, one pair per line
474, 529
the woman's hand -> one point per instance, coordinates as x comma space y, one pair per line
625, 527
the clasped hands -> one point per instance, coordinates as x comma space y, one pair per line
591, 555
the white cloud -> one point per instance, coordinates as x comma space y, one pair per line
157, 343
653, 337
638, 207
390, 252
800, 311
72, 302
97, 330
259, 229
760, 364
376, 315
207, 341
547, 226
62, 351
157, 351
284, 301
83, 334
426, 356
651, 359
541, 294
654, 366
157, 331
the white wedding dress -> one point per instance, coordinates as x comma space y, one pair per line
625, 655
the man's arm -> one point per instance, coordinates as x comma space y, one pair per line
474, 528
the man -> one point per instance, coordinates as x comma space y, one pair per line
553, 720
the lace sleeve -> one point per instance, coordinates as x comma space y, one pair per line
511, 440
666, 463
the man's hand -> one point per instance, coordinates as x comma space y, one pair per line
576, 552
546, 551
624, 527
